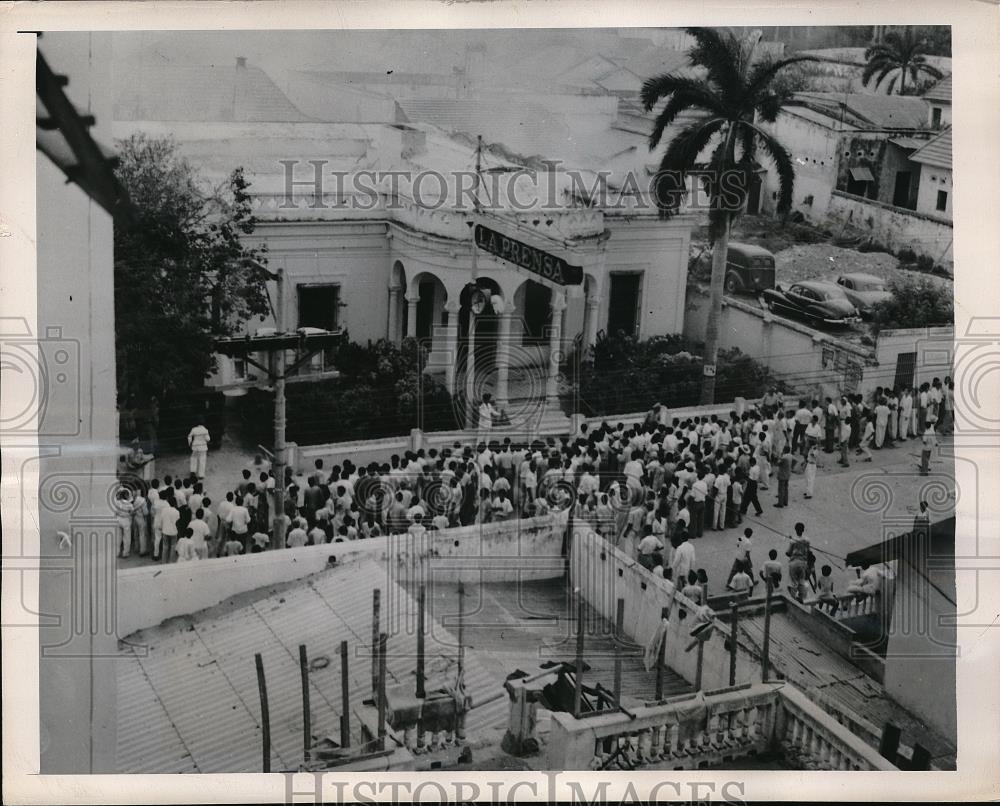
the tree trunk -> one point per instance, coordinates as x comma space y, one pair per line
716, 289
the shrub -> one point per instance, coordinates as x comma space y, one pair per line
923, 303
380, 393
925, 263
625, 375
906, 255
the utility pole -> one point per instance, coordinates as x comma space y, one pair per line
280, 420
470, 360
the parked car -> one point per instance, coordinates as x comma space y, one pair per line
815, 301
749, 268
864, 291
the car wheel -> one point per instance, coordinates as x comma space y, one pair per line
732, 287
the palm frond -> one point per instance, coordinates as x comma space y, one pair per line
719, 53
892, 85
762, 73
685, 94
679, 159
783, 165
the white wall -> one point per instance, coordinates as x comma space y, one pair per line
516, 550
78, 436
932, 180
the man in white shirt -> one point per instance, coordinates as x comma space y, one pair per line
199, 533
722, 482
198, 439
168, 528
683, 561
239, 523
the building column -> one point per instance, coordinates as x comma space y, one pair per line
395, 292
503, 354
452, 308
558, 306
411, 315
591, 325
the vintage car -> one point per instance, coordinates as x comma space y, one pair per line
749, 268
815, 301
864, 291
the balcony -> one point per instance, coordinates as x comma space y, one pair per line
728, 728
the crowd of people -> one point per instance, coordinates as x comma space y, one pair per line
652, 488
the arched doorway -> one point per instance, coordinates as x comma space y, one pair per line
431, 298
534, 301
397, 302
487, 327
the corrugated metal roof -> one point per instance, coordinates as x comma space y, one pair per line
869, 111
191, 704
936, 152
940, 92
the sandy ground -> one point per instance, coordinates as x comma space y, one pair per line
823, 261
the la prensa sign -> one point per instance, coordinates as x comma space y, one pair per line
530, 258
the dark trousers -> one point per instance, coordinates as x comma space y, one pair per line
798, 436
697, 518
783, 492
750, 498
830, 431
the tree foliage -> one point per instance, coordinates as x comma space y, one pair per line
380, 393
623, 374
923, 303
181, 272
734, 91
899, 55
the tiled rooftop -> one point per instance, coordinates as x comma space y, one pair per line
937, 151
940, 92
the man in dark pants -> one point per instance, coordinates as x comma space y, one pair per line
750, 496
784, 474
832, 416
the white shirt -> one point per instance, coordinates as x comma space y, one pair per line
240, 519
198, 438
683, 561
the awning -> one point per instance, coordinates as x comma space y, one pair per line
909, 143
862, 174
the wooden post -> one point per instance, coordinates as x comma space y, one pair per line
265, 716
306, 726
619, 631
421, 605
888, 746
921, 759
382, 647
732, 644
376, 615
345, 698
461, 623
701, 658
661, 656
578, 692
765, 662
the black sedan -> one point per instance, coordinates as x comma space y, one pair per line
816, 302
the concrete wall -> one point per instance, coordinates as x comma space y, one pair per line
895, 227
517, 550
920, 660
77, 437
934, 347
603, 575
814, 154
810, 361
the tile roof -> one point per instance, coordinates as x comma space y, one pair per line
940, 92
869, 111
189, 92
936, 152
190, 702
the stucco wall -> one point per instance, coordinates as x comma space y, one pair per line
932, 180
895, 227
808, 360
517, 550
77, 436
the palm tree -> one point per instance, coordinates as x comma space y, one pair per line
731, 96
898, 54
